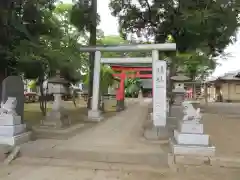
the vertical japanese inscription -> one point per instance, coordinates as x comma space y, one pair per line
159, 106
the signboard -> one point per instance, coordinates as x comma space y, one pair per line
159, 93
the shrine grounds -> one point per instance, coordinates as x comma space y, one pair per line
221, 122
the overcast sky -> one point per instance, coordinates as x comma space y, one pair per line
109, 25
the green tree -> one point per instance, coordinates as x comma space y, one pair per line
207, 26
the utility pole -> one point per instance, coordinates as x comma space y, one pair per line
92, 42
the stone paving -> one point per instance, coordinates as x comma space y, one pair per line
118, 139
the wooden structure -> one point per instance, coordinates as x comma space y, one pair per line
225, 88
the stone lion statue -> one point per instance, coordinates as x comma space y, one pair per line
190, 113
9, 106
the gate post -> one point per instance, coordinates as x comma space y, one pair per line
95, 114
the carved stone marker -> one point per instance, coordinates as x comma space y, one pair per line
13, 86
12, 131
189, 138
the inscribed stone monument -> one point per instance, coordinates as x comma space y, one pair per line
159, 93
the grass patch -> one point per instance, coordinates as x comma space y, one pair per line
33, 114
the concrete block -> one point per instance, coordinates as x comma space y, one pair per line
156, 133
185, 127
9, 120
12, 130
177, 149
15, 140
192, 160
94, 116
191, 139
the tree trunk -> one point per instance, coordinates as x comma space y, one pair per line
92, 42
42, 99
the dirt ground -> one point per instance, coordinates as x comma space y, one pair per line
73, 173
222, 123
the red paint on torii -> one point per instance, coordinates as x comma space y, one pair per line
122, 75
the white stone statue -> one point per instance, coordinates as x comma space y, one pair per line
9, 107
190, 113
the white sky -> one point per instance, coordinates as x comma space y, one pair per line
109, 25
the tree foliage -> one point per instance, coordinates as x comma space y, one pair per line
206, 25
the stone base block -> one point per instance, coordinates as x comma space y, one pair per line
188, 127
12, 130
178, 149
94, 115
57, 119
156, 133
15, 140
193, 139
192, 160
9, 120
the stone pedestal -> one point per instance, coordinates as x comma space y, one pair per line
94, 115
189, 139
155, 132
58, 117
12, 132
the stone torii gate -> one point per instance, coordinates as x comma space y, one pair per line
159, 73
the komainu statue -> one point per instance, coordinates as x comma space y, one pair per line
9, 107
190, 113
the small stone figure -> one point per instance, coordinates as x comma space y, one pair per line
9, 107
190, 113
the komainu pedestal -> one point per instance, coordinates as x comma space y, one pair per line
12, 131
189, 137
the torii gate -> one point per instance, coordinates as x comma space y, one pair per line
159, 74
122, 75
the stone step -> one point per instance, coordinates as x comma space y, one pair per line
149, 158
88, 165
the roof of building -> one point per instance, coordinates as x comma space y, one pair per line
233, 75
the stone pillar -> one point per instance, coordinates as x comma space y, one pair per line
57, 102
159, 90
158, 129
94, 114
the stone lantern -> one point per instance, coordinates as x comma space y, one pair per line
58, 117
179, 91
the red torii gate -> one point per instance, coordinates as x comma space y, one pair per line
122, 75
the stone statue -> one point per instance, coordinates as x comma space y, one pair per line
9, 106
190, 113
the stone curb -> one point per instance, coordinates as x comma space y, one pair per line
226, 162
